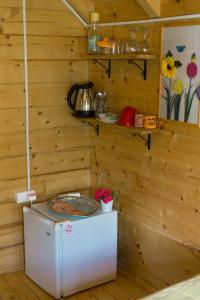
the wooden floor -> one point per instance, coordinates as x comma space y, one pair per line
17, 286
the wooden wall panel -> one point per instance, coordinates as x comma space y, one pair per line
159, 191
117, 10
42, 48
59, 144
182, 7
46, 185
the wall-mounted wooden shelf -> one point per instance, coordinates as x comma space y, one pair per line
131, 58
143, 133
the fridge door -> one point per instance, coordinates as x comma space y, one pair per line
89, 252
42, 257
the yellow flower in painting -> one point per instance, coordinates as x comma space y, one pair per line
178, 86
168, 67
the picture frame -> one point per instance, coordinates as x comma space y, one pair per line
180, 74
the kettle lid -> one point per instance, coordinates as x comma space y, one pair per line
87, 85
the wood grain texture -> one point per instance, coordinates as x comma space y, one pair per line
18, 286
182, 7
159, 192
117, 10
59, 144
151, 7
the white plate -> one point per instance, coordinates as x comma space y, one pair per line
108, 121
109, 118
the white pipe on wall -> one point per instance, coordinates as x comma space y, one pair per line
75, 13
26, 98
155, 20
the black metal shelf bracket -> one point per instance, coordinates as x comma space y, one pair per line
147, 140
95, 126
143, 70
106, 67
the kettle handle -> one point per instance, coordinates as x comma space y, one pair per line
73, 89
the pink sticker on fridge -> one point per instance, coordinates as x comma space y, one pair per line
68, 228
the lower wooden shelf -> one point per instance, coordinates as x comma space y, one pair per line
143, 133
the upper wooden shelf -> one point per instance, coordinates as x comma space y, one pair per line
131, 58
135, 131
137, 56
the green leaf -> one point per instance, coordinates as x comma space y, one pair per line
167, 92
177, 102
177, 64
169, 54
193, 56
114, 195
166, 98
171, 104
190, 104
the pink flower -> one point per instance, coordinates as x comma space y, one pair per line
106, 195
107, 199
192, 68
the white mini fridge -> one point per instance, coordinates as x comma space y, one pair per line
66, 256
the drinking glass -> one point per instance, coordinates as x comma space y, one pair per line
122, 46
117, 47
114, 47
144, 46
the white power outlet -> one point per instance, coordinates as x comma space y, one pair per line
21, 197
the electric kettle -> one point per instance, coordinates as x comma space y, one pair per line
80, 99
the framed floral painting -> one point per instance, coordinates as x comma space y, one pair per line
180, 74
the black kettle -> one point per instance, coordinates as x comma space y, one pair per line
80, 99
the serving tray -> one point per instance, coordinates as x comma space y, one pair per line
82, 206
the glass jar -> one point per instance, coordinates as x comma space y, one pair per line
132, 46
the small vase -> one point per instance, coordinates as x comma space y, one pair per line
106, 207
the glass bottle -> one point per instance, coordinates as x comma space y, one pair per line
94, 35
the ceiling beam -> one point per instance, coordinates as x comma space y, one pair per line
151, 7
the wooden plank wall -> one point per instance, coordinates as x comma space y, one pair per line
59, 147
159, 190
